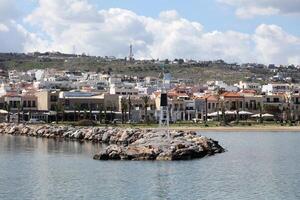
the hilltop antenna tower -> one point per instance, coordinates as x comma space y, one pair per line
164, 119
131, 53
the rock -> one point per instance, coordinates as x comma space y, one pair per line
157, 145
126, 144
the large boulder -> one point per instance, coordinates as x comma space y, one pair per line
160, 145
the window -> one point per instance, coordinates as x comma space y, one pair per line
33, 104
52, 107
53, 98
276, 100
29, 104
24, 103
268, 99
67, 102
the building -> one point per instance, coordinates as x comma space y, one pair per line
274, 88
47, 99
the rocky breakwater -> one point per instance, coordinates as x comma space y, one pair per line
160, 145
104, 135
126, 144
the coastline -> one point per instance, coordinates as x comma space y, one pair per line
238, 129
127, 144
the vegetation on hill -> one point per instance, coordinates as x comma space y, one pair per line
196, 72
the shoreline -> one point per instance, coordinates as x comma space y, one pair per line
262, 128
235, 129
127, 144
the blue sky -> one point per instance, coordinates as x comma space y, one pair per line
210, 13
234, 30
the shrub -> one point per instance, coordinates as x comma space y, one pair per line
86, 122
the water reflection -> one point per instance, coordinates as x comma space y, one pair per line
256, 166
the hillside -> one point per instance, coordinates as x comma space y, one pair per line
198, 73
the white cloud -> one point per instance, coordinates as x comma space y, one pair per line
3, 28
274, 45
77, 24
111, 32
251, 8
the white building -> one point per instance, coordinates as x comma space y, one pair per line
276, 88
249, 86
123, 89
215, 85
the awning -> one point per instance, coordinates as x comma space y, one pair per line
3, 111
266, 115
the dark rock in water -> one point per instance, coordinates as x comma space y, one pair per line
126, 144
158, 145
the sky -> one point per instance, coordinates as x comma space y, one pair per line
263, 31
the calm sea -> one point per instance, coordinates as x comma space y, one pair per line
256, 166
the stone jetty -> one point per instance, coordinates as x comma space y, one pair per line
126, 144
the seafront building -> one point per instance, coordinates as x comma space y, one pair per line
51, 95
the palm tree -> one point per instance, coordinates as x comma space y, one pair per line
260, 113
105, 116
123, 109
218, 107
206, 111
146, 105
7, 107
76, 108
100, 113
129, 108
56, 112
62, 108
223, 111
84, 114
237, 111
90, 112
19, 110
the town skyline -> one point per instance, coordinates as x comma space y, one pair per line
234, 31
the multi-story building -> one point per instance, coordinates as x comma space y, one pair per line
249, 86
274, 88
47, 99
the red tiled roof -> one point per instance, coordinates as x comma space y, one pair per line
210, 97
231, 95
12, 94
248, 92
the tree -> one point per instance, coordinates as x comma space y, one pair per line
77, 108
261, 120
56, 112
129, 108
223, 111
146, 105
100, 109
105, 115
124, 108
219, 92
62, 108
206, 111
85, 114
90, 112
180, 61
19, 110
7, 108
218, 107
237, 111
